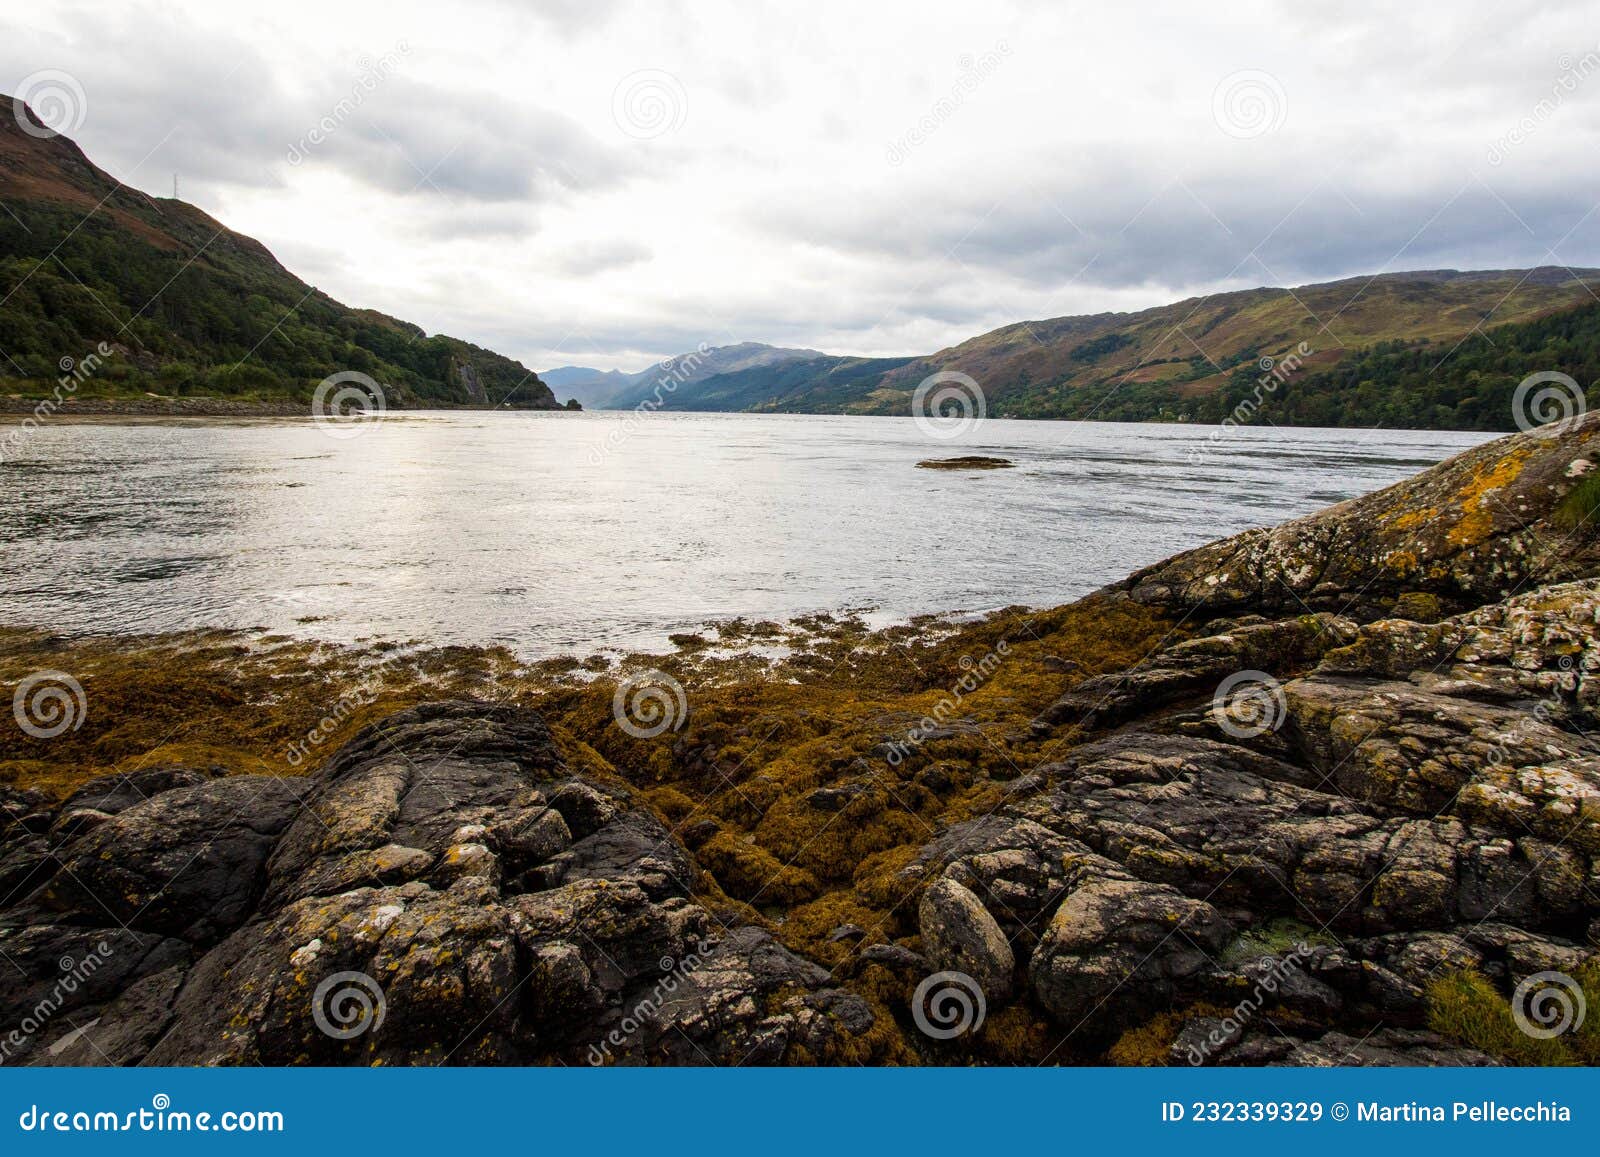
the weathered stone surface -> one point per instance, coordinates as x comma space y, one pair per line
189, 862
1468, 532
959, 934
444, 891
1119, 948
62, 976
1420, 789
1384, 1048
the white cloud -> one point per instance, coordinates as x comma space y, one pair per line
886, 178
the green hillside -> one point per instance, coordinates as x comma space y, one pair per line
192, 308
1378, 356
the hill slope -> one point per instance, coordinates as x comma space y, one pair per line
191, 307
1194, 359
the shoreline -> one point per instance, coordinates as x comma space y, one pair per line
14, 406
1034, 801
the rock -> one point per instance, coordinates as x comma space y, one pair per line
125, 1029
708, 1010
966, 462
1145, 944
959, 935
444, 890
1198, 666
833, 799
894, 956
464, 861
112, 794
189, 862
1387, 1047
1469, 531
1205, 1040
61, 977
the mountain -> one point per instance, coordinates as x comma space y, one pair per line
189, 307
588, 386
667, 384
1197, 359
821, 384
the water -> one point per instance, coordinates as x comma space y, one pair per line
577, 533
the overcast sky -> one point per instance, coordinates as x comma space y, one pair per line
605, 183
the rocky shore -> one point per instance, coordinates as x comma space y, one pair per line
158, 407
184, 407
1333, 803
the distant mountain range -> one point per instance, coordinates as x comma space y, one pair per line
1412, 348
615, 390
191, 308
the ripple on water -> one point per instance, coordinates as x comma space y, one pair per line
471, 529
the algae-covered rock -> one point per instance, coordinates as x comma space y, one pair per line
1472, 530
445, 890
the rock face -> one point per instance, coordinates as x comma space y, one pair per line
1385, 748
1470, 531
445, 890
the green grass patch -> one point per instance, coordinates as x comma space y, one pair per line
1468, 1009
1579, 508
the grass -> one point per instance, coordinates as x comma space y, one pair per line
1578, 509
1274, 938
1467, 1008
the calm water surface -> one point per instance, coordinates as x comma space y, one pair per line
576, 533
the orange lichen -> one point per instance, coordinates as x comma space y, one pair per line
1475, 498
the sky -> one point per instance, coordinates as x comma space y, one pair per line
604, 183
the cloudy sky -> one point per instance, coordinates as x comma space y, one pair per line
605, 183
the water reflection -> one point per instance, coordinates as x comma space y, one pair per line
562, 532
